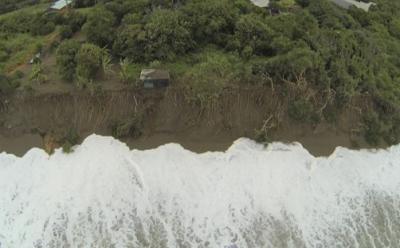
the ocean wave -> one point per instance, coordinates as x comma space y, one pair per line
105, 195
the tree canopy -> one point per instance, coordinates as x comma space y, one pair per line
344, 53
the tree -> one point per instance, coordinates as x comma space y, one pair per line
133, 19
251, 32
329, 15
295, 63
166, 35
66, 59
99, 27
130, 42
40, 25
211, 21
122, 7
83, 3
394, 28
303, 3
206, 80
74, 20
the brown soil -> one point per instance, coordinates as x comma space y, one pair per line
25, 119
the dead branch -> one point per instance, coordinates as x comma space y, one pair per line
268, 79
136, 103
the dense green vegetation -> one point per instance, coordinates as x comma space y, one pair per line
317, 55
10, 5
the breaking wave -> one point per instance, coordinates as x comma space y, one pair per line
104, 195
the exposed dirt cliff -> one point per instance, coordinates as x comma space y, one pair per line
163, 116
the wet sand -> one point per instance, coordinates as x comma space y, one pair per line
19, 145
318, 144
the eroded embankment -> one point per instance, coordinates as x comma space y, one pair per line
164, 116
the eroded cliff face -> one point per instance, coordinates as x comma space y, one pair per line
165, 116
162, 111
56, 112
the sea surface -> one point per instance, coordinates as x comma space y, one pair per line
105, 195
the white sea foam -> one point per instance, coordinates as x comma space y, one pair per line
104, 195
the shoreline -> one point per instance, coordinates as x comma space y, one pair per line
166, 117
319, 144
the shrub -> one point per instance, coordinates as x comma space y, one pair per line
20, 22
130, 128
4, 55
66, 32
67, 147
38, 47
253, 35
83, 3
37, 74
18, 74
5, 84
56, 18
40, 25
89, 61
211, 21
301, 110
129, 73
205, 80
106, 63
66, 59
70, 139
372, 128
392, 132
75, 20
261, 136
54, 45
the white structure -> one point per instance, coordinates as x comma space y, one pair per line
348, 3
261, 3
60, 4
342, 3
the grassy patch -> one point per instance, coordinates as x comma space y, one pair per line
128, 128
19, 48
70, 139
34, 9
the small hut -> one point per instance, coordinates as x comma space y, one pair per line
154, 78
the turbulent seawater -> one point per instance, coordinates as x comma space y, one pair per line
104, 195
